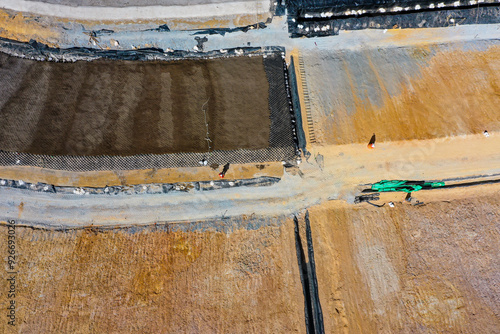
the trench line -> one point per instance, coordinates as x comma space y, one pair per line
312, 307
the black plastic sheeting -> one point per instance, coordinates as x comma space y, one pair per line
280, 9
313, 313
304, 279
223, 31
318, 313
98, 33
296, 126
342, 8
294, 98
309, 19
39, 51
152, 188
161, 28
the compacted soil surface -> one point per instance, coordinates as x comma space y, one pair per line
106, 107
404, 93
431, 268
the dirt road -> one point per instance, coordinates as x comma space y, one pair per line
149, 12
407, 269
338, 177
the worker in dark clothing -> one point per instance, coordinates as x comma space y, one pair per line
371, 144
224, 171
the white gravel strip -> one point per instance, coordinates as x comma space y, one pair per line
138, 12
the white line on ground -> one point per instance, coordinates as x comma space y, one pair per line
138, 12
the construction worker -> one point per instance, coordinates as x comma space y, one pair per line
371, 144
224, 171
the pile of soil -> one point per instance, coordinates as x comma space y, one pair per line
106, 107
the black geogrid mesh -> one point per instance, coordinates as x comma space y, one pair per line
143, 161
281, 126
281, 141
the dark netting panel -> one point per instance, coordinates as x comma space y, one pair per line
146, 161
281, 141
343, 5
281, 126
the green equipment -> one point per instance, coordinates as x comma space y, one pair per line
403, 185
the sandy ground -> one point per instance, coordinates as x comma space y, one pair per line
416, 92
425, 269
21, 27
428, 269
156, 282
149, 12
127, 108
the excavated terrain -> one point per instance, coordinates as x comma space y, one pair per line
126, 108
404, 93
149, 281
409, 269
424, 269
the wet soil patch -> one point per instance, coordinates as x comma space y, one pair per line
123, 108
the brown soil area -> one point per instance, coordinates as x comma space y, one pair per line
126, 108
24, 27
157, 282
425, 269
455, 92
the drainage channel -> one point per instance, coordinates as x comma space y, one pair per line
312, 305
151, 188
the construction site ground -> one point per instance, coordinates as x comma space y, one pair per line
128, 108
431, 268
225, 260
333, 172
403, 93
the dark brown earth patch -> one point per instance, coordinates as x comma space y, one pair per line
106, 107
